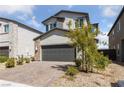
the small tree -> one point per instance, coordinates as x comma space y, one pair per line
83, 39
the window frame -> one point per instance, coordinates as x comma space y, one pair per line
6, 28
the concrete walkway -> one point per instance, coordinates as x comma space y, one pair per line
4, 83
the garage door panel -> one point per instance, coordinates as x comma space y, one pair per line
4, 51
59, 53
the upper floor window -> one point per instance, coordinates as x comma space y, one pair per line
53, 25
118, 47
47, 27
113, 32
93, 29
118, 26
79, 22
6, 28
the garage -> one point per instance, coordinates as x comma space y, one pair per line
58, 53
4, 51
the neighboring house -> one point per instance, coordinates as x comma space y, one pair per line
16, 39
54, 44
116, 36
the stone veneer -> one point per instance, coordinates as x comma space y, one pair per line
37, 55
13, 37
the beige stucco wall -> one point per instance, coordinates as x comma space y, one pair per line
19, 39
25, 41
68, 17
55, 38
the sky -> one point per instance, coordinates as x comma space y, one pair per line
34, 15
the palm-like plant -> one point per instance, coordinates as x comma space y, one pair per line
83, 39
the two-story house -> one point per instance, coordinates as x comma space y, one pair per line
16, 39
54, 44
116, 36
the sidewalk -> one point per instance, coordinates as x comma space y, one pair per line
4, 83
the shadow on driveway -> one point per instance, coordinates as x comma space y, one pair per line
61, 67
119, 63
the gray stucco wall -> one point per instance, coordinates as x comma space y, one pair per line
116, 37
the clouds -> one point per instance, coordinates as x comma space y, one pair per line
8, 9
110, 11
22, 17
23, 13
34, 22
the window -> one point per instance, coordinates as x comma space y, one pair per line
54, 24
118, 47
51, 26
113, 32
6, 28
93, 29
118, 26
114, 47
79, 22
47, 27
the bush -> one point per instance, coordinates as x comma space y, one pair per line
27, 60
3, 59
78, 62
71, 71
20, 60
32, 59
10, 63
102, 62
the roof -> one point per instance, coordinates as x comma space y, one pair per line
49, 32
95, 25
122, 11
11, 20
66, 11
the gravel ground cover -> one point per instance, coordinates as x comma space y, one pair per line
107, 78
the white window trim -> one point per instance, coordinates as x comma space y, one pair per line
118, 49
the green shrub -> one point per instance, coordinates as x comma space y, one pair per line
10, 63
71, 71
32, 59
78, 62
3, 59
102, 62
71, 78
20, 60
27, 60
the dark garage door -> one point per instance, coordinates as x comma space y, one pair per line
4, 51
58, 53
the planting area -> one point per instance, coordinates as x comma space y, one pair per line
107, 78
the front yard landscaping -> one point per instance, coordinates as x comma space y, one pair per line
107, 78
6, 62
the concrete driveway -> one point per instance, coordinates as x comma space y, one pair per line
35, 73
